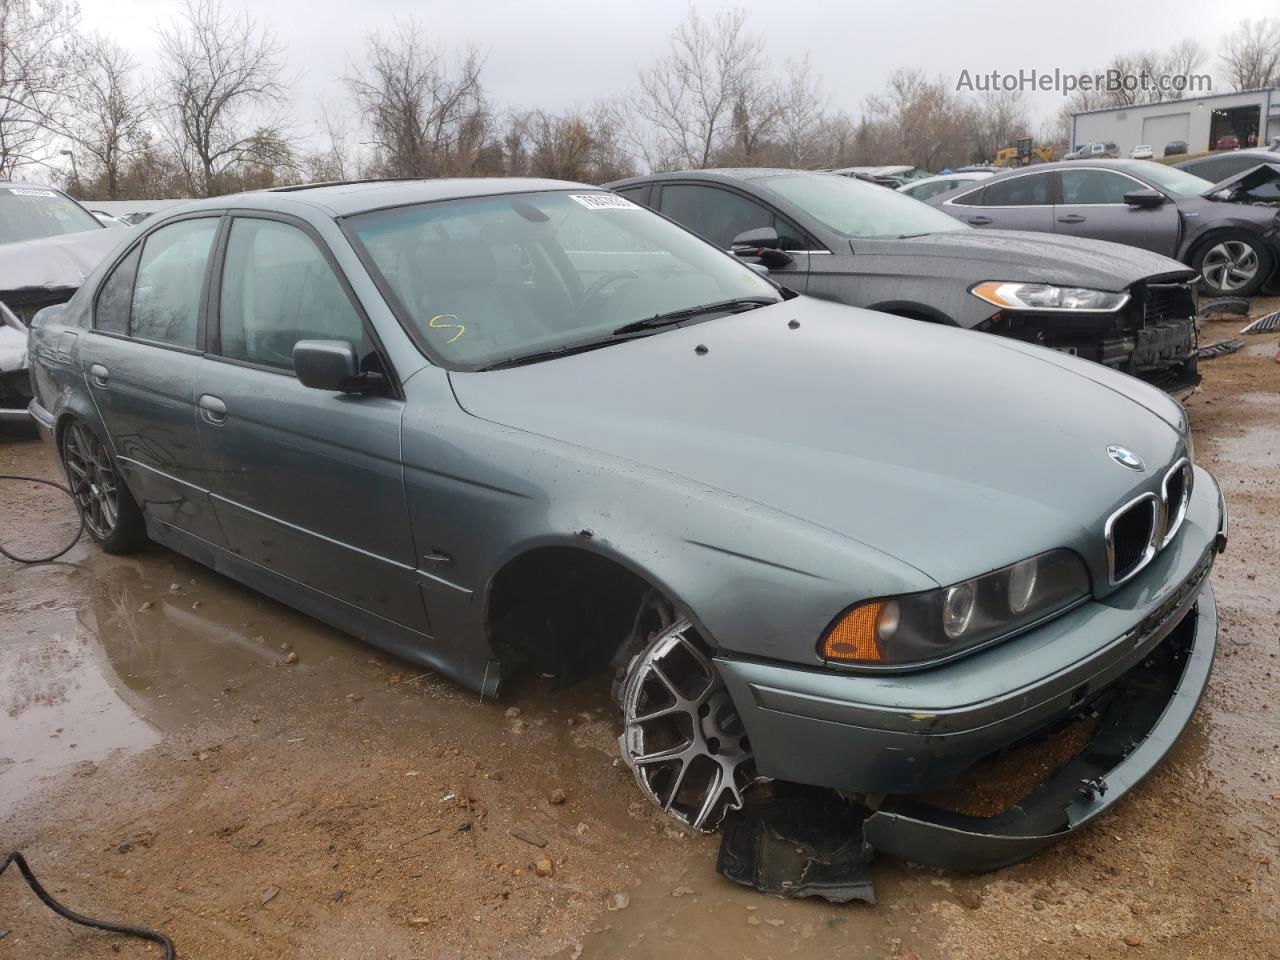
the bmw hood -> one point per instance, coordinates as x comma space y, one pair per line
952, 451
1043, 258
53, 262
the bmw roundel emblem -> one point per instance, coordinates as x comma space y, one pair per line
1125, 457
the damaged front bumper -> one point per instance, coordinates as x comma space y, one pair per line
897, 738
1145, 714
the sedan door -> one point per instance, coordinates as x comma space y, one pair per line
139, 361
309, 484
1092, 205
718, 215
1020, 202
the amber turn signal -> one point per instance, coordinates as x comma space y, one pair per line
853, 638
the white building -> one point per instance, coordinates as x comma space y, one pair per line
1199, 121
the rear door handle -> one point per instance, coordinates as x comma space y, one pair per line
978, 220
1072, 218
99, 373
212, 410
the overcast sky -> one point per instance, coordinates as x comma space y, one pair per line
559, 54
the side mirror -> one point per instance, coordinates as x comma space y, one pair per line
328, 365
762, 244
1144, 198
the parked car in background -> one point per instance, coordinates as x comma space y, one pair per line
48, 245
1216, 167
838, 239
1141, 152
502, 424
15, 380
932, 186
1175, 147
889, 176
1228, 141
1226, 232
1099, 150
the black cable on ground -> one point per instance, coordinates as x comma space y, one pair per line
53, 556
142, 933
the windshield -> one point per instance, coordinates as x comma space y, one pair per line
34, 213
855, 208
1177, 182
489, 279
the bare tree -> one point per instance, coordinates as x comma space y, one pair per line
1250, 54
332, 162
999, 118
709, 91
584, 145
221, 80
37, 43
918, 121
426, 117
802, 118
109, 121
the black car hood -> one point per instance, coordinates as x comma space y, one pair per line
1039, 257
952, 451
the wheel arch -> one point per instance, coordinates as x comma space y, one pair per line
524, 610
911, 310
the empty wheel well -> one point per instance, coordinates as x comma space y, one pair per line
565, 610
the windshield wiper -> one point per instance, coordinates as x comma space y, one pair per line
633, 330
676, 316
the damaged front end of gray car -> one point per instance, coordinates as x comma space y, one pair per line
15, 378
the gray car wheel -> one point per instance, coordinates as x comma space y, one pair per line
1233, 265
110, 514
682, 736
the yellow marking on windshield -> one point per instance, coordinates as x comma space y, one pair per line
447, 326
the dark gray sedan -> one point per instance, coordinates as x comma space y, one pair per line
498, 424
1228, 232
841, 239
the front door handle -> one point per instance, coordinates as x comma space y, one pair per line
99, 374
1071, 218
212, 410
978, 220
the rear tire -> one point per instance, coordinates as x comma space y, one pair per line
111, 515
1233, 263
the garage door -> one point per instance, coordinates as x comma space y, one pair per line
1157, 131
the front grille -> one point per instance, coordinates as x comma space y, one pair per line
1130, 535
1177, 494
1167, 301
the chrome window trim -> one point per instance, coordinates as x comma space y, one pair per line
1174, 522
1151, 550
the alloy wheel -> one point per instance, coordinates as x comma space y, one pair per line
1230, 265
93, 480
682, 737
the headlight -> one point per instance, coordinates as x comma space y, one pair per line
920, 627
1041, 296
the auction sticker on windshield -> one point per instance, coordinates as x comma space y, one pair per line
603, 201
25, 192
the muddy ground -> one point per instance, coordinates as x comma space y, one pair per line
163, 762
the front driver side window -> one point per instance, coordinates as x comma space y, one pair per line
277, 289
720, 215
1095, 186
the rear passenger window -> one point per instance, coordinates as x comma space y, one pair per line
166, 296
1028, 191
112, 313
277, 289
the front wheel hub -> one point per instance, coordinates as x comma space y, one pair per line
682, 737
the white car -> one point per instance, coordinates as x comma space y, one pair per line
1142, 151
932, 186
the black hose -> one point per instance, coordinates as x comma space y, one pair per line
142, 933
74, 540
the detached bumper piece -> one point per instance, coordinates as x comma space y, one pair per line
1142, 716
795, 841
